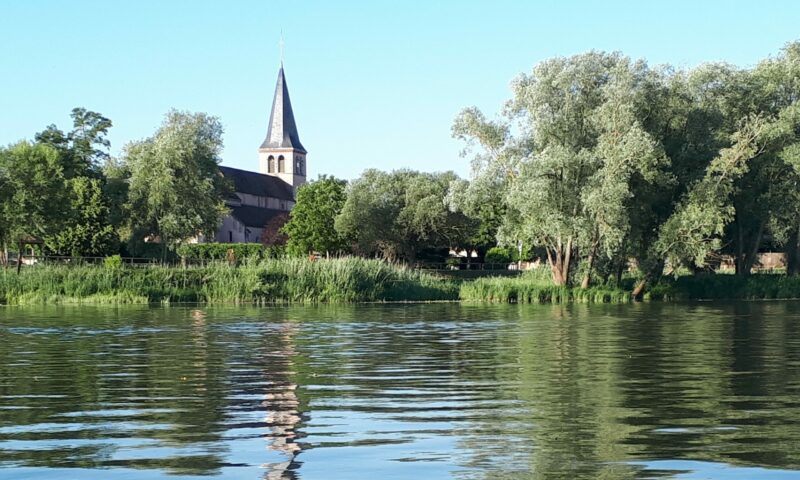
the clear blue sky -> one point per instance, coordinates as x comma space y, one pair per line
373, 83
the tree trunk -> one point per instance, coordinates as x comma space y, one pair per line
652, 275
620, 270
556, 260
750, 260
565, 267
739, 261
638, 290
19, 257
587, 277
793, 253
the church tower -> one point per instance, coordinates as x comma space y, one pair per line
282, 155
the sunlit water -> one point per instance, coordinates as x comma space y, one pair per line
401, 391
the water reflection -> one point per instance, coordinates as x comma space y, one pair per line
282, 405
402, 391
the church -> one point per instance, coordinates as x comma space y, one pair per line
266, 196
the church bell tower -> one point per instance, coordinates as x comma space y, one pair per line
281, 154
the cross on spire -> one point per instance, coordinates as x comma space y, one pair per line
281, 45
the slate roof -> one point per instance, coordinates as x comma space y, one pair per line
282, 129
259, 184
256, 216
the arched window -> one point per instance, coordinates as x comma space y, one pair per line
271, 164
281, 164
298, 165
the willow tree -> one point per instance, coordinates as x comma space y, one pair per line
176, 189
568, 170
748, 190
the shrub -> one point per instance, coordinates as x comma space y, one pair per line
224, 251
497, 255
113, 262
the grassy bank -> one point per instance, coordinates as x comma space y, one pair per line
533, 287
761, 286
274, 280
536, 287
346, 280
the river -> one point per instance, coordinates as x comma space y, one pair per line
411, 391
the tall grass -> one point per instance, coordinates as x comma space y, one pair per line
760, 286
526, 290
281, 280
536, 286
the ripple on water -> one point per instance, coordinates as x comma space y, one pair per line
411, 391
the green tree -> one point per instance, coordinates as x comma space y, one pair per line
746, 192
84, 149
87, 230
88, 225
567, 178
176, 189
311, 222
115, 192
32, 202
397, 214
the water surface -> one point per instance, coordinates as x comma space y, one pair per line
401, 391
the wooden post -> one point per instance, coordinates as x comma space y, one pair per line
19, 256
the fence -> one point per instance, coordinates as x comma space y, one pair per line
31, 260
477, 266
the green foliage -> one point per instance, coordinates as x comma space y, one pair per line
610, 159
527, 290
397, 214
311, 220
497, 255
176, 190
224, 251
115, 193
567, 180
32, 200
272, 280
87, 231
83, 150
761, 286
113, 262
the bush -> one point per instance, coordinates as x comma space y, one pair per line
497, 255
113, 262
228, 251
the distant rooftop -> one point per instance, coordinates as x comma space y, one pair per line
259, 184
257, 217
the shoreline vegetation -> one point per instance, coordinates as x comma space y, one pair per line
349, 280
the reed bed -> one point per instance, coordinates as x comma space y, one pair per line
758, 286
525, 289
344, 280
282, 280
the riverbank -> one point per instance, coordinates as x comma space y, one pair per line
284, 280
346, 280
536, 288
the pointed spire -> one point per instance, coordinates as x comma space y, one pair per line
282, 130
